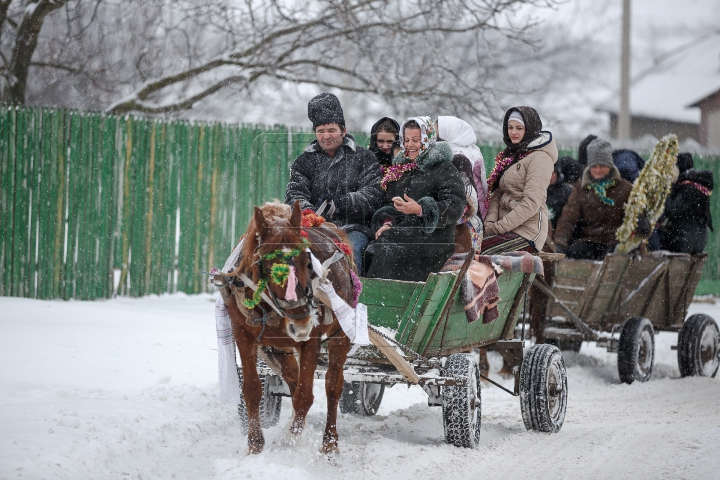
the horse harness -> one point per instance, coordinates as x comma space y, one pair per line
238, 283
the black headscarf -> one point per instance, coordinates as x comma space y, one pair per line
533, 127
533, 130
685, 162
384, 159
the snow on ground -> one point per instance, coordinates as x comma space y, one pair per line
127, 388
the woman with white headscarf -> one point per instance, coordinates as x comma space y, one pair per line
468, 159
424, 198
463, 141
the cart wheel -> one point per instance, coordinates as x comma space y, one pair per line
361, 398
699, 346
270, 405
461, 405
565, 345
543, 389
636, 350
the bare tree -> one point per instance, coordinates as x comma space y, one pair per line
398, 49
28, 20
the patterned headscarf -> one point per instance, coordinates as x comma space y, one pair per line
428, 135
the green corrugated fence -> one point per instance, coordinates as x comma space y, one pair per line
87, 196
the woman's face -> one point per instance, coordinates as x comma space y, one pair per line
599, 171
412, 140
516, 131
384, 141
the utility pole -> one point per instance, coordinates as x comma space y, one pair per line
623, 131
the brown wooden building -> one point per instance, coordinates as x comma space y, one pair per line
680, 94
709, 119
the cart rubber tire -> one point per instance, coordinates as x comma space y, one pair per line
270, 405
699, 346
565, 345
543, 389
361, 398
462, 406
636, 350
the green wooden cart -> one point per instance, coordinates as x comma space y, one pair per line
622, 301
421, 336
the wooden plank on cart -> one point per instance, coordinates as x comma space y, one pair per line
390, 351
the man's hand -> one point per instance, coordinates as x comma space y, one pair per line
407, 206
382, 229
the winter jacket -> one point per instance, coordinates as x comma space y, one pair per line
352, 176
628, 163
596, 221
416, 245
518, 203
557, 197
687, 214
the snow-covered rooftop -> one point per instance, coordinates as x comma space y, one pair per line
680, 79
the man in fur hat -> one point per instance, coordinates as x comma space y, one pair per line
335, 172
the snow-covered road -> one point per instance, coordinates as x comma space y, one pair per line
126, 388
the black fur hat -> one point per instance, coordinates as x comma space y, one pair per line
325, 108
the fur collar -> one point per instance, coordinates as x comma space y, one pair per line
541, 141
587, 178
440, 152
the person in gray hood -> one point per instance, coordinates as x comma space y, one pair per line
336, 175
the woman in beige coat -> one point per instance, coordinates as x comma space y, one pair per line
517, 216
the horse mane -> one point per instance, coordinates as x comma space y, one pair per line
278, 232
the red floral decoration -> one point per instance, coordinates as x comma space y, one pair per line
344, 247
310, 219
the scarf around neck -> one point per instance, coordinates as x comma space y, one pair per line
600, 188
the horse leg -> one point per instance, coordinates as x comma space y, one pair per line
289, 368
338, 349
251, 388
303, 397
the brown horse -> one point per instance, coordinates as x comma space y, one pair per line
275, 234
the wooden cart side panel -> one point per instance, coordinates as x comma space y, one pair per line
388, 300
571, 282
649, 298
462, 336
684, 286
411, 319
691, 283
432, 306
600, 305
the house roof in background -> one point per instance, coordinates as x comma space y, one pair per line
679, 80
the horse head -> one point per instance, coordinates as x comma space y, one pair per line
277, 257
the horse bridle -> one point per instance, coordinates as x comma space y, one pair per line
306, 299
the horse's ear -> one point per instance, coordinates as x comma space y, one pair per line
260, 223
296, 217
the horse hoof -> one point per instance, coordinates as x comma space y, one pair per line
255, 449
330, 449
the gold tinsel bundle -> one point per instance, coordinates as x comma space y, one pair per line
649, 193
